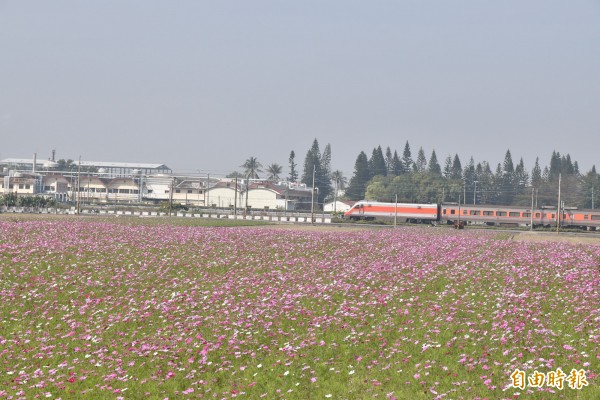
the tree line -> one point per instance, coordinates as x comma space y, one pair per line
316, 172
12, 200
384, 176
387, 175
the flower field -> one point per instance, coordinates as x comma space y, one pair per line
95, 309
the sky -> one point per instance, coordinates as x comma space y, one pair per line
203, 85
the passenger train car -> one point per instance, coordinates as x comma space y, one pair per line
403, 212
492, 215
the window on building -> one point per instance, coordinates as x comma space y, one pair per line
189, 191
177, 191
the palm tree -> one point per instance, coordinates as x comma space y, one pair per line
339, 179
274, 170
251, 168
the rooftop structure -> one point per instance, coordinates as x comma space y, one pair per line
108, 169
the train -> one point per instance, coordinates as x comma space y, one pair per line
460, 215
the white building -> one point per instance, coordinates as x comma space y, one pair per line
338, 206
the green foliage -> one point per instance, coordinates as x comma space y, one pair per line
164, 207
358, 183
418, 188
251, 168
319, 165
12, 200
293, 171
377, 163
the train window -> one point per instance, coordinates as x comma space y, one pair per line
585, 216
527, 215
552, 215
537, 215
474, 212
500, 213
464, 212
595, 217
514, 214
444, 211
488, 213
452, 212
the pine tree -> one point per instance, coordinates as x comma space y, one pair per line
448, 167
407, 158
456, 168
358, 183
536, 174
566, 165
521, 175
469, 176
312, 164
377, 163
555, 166
324, 177
508, 180
434, 166
389, 161
293, 172
508, 166
421, 164
326, 160
318, 164
398, 165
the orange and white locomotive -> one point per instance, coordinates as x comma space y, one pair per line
492, 215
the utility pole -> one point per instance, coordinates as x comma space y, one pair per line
235, 199
247, 189
558, 214
79, 186
312, 198
335, 197
531, 227
396, 211
287, 188
459, 211
171, 195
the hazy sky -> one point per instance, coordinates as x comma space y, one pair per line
203, 85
